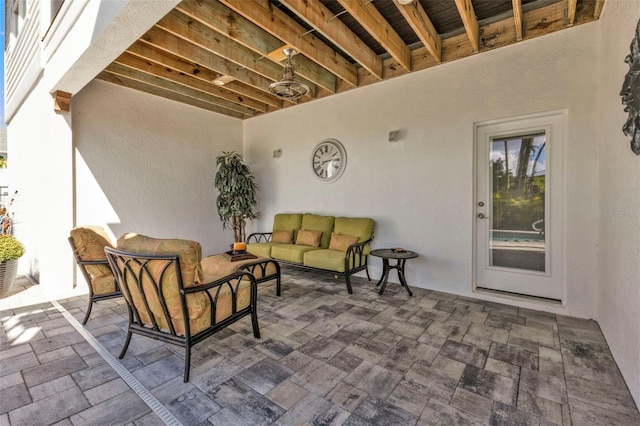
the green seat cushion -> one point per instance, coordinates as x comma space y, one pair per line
324, 224
290, 252
260, 249
332, 260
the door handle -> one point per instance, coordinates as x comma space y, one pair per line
482, 216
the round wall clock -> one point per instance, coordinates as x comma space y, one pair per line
329, 160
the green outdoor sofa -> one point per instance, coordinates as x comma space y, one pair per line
336, 244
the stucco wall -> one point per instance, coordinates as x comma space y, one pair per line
420, 189
145, 164
39, 141
619, 212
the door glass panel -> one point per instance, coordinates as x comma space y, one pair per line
517, 212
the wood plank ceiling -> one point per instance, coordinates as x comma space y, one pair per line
221, 55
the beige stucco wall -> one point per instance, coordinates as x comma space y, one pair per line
145, 164
619, 203
420, 190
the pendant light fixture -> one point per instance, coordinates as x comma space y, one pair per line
287, 88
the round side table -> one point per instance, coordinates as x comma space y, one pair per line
401, 257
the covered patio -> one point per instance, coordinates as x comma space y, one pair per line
102, 131
325, 357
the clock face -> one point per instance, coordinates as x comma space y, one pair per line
329, 160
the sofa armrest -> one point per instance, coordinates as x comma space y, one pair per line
259, 237
355, 252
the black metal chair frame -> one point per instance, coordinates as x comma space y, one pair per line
122, 266
353, 252
261, 267
93, 298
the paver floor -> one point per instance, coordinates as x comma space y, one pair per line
325, 357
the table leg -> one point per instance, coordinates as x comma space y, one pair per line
385, 276
403, 281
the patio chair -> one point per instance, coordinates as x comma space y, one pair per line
167, 299
87, 244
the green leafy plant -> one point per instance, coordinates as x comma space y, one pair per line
10, 248
237, 193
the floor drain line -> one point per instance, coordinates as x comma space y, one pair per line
138, 388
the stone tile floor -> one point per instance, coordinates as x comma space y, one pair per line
325, 358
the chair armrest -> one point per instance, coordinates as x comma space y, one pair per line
355, 251
260, 237
234, 288
92, 262
221, 281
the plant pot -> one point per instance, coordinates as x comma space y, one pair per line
8, 272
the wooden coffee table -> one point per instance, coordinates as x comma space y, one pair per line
262, 268
401, 257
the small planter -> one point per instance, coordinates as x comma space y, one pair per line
10, 251
8, 272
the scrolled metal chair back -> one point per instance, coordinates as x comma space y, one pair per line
151, 284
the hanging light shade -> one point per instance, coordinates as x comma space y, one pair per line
288, 88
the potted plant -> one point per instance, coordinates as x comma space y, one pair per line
236, 193
10, 251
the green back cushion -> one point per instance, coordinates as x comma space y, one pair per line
288, 221
323, 224
361, 227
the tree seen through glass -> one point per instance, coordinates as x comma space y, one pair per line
518, 178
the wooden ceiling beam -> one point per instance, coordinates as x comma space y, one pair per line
184, 79
152, 80
220, 18
183, 49
571, 12
420, 23
201, 73
598, 9
371, 20
156, 91
517, 18
468, 15
200, 35
321, 18
278, 24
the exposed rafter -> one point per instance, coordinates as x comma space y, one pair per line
199, 72
278, 24
598, 9
571, 12
368, 16
163, 93
465, 8
163, 72
422, 26
182, 26
222, 55
321, 18
517, 18
230, 24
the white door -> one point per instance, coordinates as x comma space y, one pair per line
518, 205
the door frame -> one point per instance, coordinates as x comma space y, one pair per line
556, 121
